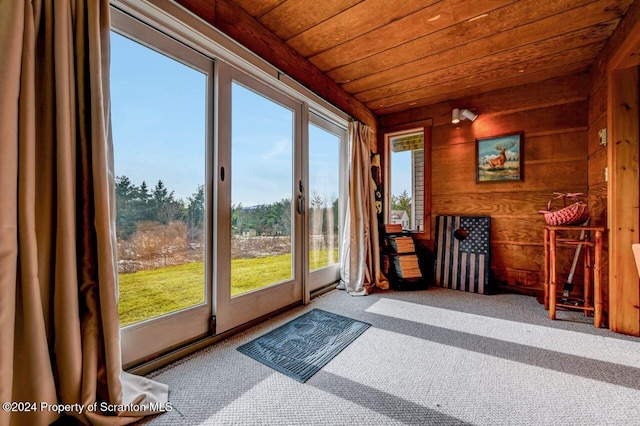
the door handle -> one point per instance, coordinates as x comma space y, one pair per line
300, 204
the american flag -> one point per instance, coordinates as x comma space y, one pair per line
462, 253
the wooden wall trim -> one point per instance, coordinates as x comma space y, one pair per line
619, 45
623, 198
629, 33
233, 21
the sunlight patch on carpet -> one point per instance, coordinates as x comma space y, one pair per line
599, 348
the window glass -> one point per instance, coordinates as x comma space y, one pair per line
159, 134
406, 183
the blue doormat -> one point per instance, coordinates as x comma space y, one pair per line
304, 345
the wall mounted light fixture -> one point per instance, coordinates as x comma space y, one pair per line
455, 116
468, 114
462, 114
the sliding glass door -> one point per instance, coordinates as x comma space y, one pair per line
260, 201
161, 96
228, 201
326, 148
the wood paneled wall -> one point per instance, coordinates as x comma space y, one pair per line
598, 172
614, 105
554, 118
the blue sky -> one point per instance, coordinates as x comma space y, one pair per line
401, 172
158, 114
158, 111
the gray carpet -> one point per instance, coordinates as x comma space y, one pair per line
431, 357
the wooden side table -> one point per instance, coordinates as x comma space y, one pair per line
592, 262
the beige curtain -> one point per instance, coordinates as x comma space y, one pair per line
360, 262
59, 330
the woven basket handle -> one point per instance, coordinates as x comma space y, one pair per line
564, 196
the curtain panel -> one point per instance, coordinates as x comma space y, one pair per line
59, 329
360, 271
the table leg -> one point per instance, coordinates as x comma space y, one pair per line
597, 281
587, 280
552, 274
546, 269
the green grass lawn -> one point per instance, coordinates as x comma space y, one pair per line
151, 293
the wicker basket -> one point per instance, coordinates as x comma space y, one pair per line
573, 214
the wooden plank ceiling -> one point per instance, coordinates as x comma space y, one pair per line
394, 55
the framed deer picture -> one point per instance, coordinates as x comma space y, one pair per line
499, 158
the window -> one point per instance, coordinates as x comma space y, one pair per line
405, 183
159, 136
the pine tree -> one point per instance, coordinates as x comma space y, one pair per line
402, 202
126, 194
195, 215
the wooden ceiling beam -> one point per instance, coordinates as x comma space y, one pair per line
242, 27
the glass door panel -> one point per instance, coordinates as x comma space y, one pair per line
326, 142
324, 189
262, 134
260, 197
159, 102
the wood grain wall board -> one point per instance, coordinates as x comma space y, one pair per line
560, 118
519, 230
566, 176
530, 260
527, 21
598, 203
527, 282
431, 19
624, 214
539, 94
359, 19
594, 138
596, 165
292, 17
598, 101
504, 203
526, 257
473, 56
551, 147
463, 92
468, 76
462, 156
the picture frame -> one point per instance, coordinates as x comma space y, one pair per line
499, 158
